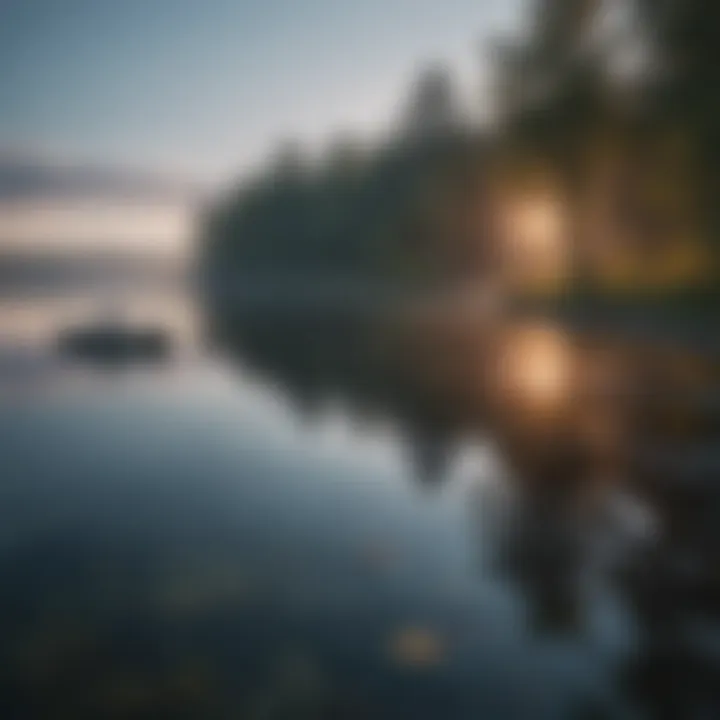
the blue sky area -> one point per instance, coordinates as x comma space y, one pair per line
206, 87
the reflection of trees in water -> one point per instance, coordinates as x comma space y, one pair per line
633, 400
541, 559
674, 588
664, 559
627, 405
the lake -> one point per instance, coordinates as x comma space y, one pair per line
176, 541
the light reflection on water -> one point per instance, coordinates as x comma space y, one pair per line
190, 498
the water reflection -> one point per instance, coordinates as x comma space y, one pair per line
638, 416
165, 547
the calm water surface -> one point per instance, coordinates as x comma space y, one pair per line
176, 537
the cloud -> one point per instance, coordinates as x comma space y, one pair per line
73, 206
25, 177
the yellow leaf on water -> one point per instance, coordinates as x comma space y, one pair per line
417, 647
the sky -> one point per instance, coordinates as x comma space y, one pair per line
204, 89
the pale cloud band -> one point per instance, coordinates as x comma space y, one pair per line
84, 224
46, 204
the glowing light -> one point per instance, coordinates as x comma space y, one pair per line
535, 371
535, 235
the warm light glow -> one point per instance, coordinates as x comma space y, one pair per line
535, 239
535, 371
